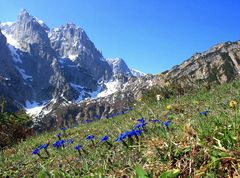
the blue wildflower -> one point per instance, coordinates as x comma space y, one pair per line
43, 146
59, 136
105, 138
135, 132
142, 120
122, 136
166, 123
70, 141
204, 113
139, 126
78, 147
59, 143
63, 129
90, 137
87, 121
97, 117
36, 151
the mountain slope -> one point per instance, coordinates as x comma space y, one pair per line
178, 137
219, 64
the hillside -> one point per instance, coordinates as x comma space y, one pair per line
195, 134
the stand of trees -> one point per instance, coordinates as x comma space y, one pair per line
14, 127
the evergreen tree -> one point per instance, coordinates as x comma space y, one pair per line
3, 105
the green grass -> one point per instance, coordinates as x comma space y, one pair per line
193, 145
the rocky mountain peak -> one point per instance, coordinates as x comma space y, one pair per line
30, 33
119, 66
23, 15
70, 41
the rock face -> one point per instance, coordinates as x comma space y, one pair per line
43, 69
72, 42
11, 85
118, 66
219, 64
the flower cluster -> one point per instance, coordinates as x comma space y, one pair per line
126, 137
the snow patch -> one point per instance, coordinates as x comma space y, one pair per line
76, 87
11, 40
137, 73
111, 87
23, 73
15, 55
95, 94
34, 108
3, 24
40, 22
73, 57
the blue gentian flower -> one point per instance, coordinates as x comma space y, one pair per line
70, 141
97, 117
105, 138
90, 137
59, 136
166, 123
59, 143
204, 113
36, 151
43, 146
88, 121
63, 129
135, 132
139, 126
131, 133
122, 136
78, 147
142, 120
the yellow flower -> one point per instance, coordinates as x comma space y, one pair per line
233, 104
140, 99
169, 107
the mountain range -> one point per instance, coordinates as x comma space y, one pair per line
58, 76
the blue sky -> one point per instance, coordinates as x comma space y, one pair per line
150, 35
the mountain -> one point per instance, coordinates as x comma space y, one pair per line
119, 66
43, 69
219, 64
137, 73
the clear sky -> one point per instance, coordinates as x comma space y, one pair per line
150, 35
